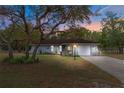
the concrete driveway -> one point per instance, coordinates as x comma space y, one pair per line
111, 65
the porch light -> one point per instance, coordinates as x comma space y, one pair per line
74, 51
75, 46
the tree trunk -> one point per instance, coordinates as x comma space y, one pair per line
41, 38
10, 51
27, 50
27, 47
35, 52
36, 48
120, 50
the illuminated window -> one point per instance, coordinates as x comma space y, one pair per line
69, 48
52, 48
60, 48
94, 49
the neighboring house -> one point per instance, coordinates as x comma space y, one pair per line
67, 47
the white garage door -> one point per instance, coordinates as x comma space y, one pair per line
83, 50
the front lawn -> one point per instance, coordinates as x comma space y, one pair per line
53, 71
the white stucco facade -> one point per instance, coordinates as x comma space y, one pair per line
85, 49
41, 49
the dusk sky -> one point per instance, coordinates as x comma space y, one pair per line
95, 20
100, 9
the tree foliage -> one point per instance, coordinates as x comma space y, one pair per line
78, 33
112, 32
42, 19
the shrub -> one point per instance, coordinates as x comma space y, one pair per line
21, 60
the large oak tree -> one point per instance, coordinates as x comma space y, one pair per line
46, 19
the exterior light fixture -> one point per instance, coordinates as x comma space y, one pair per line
74, 50
75, 46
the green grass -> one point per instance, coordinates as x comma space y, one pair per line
53, 71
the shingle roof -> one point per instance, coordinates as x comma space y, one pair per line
62, 41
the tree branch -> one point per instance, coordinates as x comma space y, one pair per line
45, 13
2, 38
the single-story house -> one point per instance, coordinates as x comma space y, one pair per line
67, 47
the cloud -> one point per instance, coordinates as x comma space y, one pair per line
119, 9
95, 26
